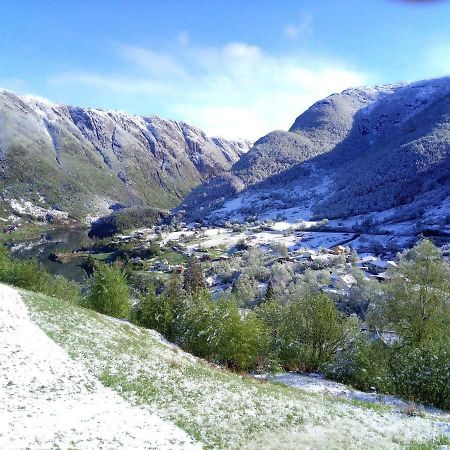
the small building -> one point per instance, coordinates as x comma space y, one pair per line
340, 250
345, 281
379, 266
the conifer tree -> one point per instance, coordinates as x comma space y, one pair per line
194, 278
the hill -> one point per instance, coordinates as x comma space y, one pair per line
160, 393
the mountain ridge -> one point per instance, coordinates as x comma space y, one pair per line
84, 160
360, 151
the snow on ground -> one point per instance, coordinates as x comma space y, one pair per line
318, 384
47, 399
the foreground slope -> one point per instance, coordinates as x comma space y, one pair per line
49, 400
84, 160
362, 151
215, 407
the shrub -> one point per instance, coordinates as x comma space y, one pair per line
306, 333
423, 374
194, 278
240, 341
363, 365
32, 276
109, 293
155, 312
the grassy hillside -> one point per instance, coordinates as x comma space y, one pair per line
218, 408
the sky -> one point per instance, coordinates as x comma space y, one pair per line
235, 68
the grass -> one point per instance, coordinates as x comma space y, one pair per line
172, 257
27, 231
218, 408
440, 442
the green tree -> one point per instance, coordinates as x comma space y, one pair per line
155, 312
417, 301
109, 293
175, 296
200, 323
243, 289
240, 339
194, 278
270, 293
306, 333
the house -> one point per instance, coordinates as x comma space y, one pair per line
340, 281
340, 250
379, 266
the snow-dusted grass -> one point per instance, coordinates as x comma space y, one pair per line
215, 407
48, 400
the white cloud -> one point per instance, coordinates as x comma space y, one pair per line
300, 29
236, 90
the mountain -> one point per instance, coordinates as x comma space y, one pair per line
83, 161
362, 151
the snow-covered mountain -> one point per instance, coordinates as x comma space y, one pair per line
82, 161
362, 151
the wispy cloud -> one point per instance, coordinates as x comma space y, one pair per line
299, 29
235, 90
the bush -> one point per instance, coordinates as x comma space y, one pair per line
306, 333
32, 276
241, 342
423, 374
109, 293
155, 312
363, 365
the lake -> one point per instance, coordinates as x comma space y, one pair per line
55, 241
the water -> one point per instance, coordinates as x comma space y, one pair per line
55, 241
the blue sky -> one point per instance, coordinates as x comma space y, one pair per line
234, 68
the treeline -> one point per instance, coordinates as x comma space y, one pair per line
125, 219
401, 348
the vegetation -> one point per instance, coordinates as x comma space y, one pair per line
109, 293
125, 219
216, 407
403, 348
416, 310
306, 333
32, 276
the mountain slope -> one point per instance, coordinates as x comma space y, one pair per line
361, 151
85, 160
215, 407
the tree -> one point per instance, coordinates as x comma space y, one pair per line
417, 304
320, 331
194, 278
109, 293
240, 340
270, 293
243, 289
155, 312
307, 332
175, 297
